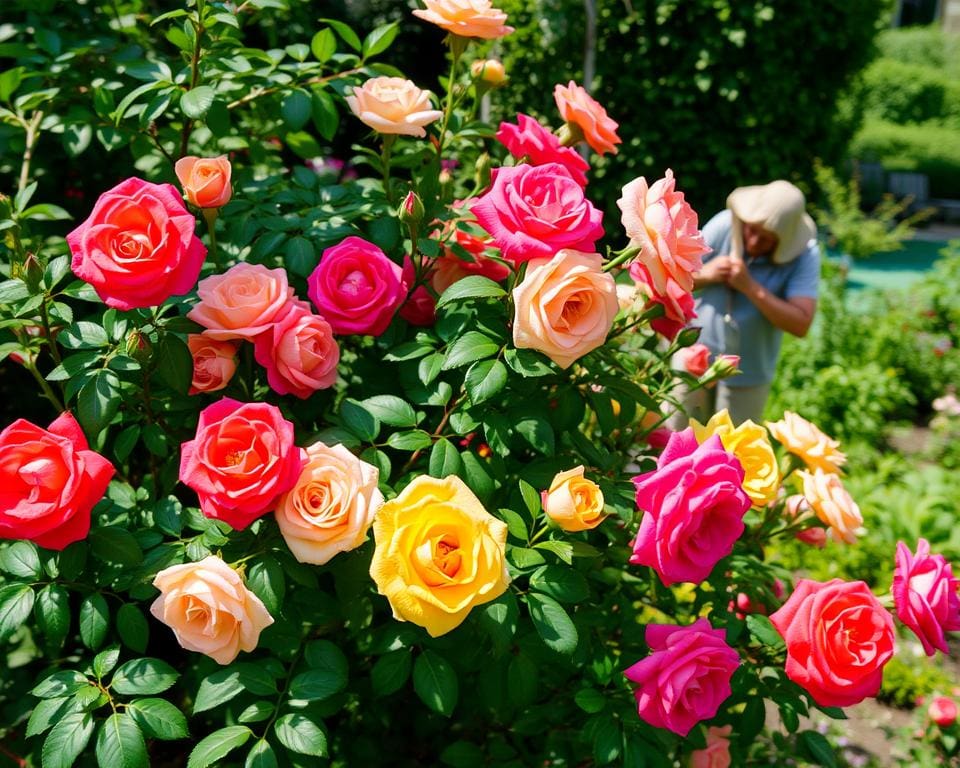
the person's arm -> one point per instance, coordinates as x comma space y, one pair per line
793, 315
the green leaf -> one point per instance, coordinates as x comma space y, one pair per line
167, 515
296, 108
175, 363
21, 559
590, 700
472, 287
217, 688
522, 679
59, 684
560, 583
120, 743
498, 619
379, 39
53, 614
470, 347
12, 291
485, 379
133, 628
159, 719
819, 748
256, 678
531, 498
105, 661
67, 740
83, 335
16, 602
46, 713
323, 45
256, 712
144, 676
562, 549
391, 671
125, 441
266, 580
98, 401
261, 755
346, 34
527, 363
413, 440
552, 623
359, 420
94, 620
763, 631
391, 410
218, 745
197, 102
299, 257
444, 459
301, 735
113, 544
326, 118
463, 754
435, 682
328, 672
538, 433
607, 740
515, 524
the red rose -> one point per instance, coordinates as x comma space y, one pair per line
838, 639
137, 247
241, 461
49, 482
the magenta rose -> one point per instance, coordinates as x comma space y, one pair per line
137, 247
356, 287
693, 505
298, 352
529, 139
686, 677
925, 595
533, 212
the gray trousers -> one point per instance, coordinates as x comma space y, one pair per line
741, 402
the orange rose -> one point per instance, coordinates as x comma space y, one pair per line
573, 502
830, 502
805, 440
241, 303
214, 363
489, 71
564, 307
393, 105
205, 180
580, 110
466, 18
209, 609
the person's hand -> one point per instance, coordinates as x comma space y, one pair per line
739, 276
717, 270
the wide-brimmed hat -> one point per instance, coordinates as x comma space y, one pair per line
778, 207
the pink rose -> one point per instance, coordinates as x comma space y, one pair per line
356, 287
693, 505
242, 302
797, 506
717, 753
696, 359
50, 481
420, 308
925, 595
529, 139
663, 223
299, 352
241, 460
533, 212
686, 677
838, 640
137, 247
943, 711
205, 180
677, 303
580, 109
214, 363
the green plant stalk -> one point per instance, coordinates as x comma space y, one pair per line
194, 76
457, 46
47, 334
210, 217
45, 387
627, 254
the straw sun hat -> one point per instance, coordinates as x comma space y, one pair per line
778, 207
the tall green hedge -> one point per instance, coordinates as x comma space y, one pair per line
727, 92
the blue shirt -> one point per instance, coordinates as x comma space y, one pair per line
759, 341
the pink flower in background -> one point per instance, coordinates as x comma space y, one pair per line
659, 219
686, 678
925, 594
717, 753
534, 211
677, 303
137, 248
214, 363
693, 505
299, 352
696, 359
838, 640
529, 139
943, 711
579, 108
242, 302
356, 287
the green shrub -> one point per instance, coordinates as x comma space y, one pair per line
925, 46
907, 681
910, 93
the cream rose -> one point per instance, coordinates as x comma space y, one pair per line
565, 306
830, 502
209, 609
393, 105
573, 502
805, 440
331, 507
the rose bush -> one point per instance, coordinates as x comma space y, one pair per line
484, 547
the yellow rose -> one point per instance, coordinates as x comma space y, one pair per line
573, 502
830, 502
209, 609
438, 554
564, 307
805, 440
331, 507
750, 445
489, 71
393, 105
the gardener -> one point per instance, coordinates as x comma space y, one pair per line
761, 279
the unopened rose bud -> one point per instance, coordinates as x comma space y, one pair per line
723, 367
139, 346
482, 171
411, 209
943, 711
32, 272
489, 71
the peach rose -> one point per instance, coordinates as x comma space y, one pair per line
242, 302
299, 352
797, 508
331, 507
205, 180
579, 109
573, 502
393, 105
717, 752
695, 359
805, 440
209, 609
830, 502
565, 306
214, 362
466, 18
